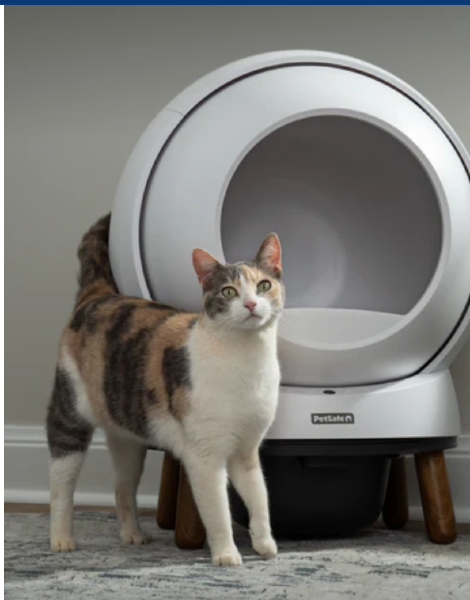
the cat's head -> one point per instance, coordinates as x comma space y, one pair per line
245, 295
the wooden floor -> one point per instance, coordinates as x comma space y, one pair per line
44, 508
15, 507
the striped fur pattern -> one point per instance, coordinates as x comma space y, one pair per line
202, 386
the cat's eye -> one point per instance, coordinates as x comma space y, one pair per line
263, 286
229, 292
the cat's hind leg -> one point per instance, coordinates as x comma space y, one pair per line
128, 456
69, 435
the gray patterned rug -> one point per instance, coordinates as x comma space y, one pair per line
376, 565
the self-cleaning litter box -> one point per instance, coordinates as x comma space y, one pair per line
368, 188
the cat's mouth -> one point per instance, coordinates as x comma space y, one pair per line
252, 316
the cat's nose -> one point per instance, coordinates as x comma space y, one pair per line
250, 305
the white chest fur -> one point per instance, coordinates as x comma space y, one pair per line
235, 384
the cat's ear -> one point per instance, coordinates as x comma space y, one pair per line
269, 255
204, 264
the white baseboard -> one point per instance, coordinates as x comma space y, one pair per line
27, 479
27, 471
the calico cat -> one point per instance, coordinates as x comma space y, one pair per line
202, 386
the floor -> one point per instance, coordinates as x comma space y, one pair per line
375, 565
23, 508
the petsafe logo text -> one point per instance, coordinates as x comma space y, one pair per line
332, 418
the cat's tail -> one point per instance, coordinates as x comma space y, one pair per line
95, 278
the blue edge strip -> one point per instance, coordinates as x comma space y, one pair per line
241, 3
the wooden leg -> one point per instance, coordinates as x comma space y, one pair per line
168, 496
395, 508
189, 533
436, 497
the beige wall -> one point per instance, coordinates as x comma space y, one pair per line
81, 84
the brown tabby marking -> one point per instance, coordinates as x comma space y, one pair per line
129, 353
95, 277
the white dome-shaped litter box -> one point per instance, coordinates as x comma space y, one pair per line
368, 188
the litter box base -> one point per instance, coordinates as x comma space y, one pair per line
326, 488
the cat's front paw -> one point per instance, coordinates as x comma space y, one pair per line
64, 544
227, 558
265, 546
137, 538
